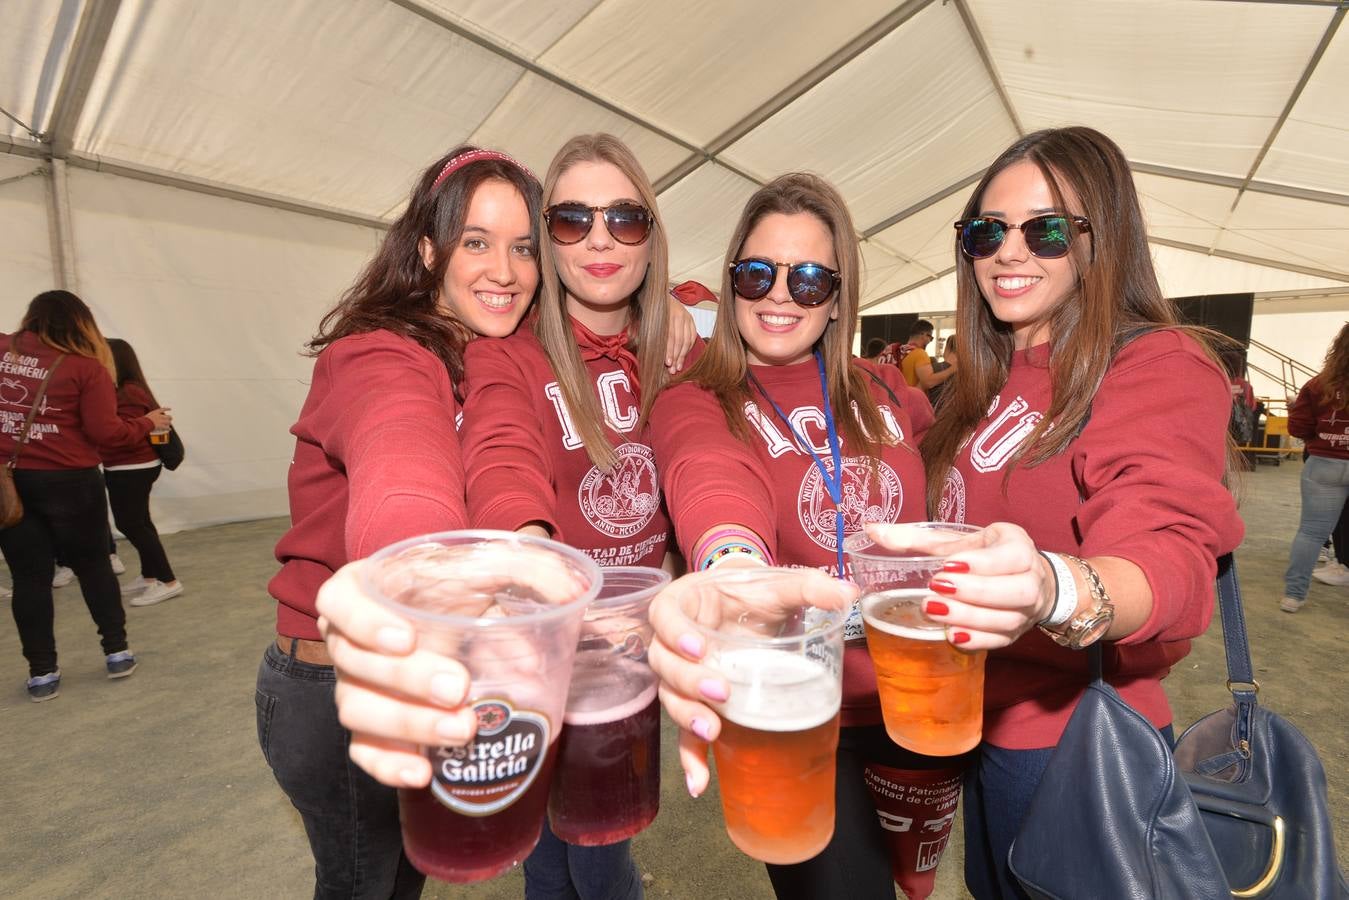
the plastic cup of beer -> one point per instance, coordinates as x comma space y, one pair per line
931, 692
606, 785
779, 725
509, 609
159, 435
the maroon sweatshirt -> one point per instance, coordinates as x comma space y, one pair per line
78, 418
1324, 428
1149, 464
525, 462
132, 402
772, 486
376, 461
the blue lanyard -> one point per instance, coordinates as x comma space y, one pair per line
832, 483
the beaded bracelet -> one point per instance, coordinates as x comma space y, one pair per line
734, 551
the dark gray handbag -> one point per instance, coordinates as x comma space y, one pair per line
1239, 809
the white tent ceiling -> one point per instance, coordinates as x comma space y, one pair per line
311, 117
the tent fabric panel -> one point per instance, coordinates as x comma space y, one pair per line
1143, 71
1299, 232
1312, 148
344, 117
932, 296
927, 237
218, 298
1183, 273
1304, 336
25, 245
884, 128
698, 67
884, 272
528, 27
700, 213
536, 116
1181, 210
34, 45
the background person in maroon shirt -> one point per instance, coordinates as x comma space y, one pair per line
1096, 426
554, 421
130, 474
377, 460
58, 479
776, 446
1320, 416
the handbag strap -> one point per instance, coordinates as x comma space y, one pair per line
32, 411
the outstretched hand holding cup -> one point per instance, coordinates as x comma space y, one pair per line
751, 659
508, 609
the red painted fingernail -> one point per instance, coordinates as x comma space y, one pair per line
960, 637
942, 586
936, 608
955, 566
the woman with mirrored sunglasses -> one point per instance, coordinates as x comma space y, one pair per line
554, 423
1092, 430
774, 448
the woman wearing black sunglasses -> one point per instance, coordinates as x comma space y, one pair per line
1086, 417
776, 446
554, 422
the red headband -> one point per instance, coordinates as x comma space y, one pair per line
473, 156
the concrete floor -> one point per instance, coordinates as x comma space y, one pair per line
153, 786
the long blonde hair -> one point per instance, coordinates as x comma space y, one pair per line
63, 321
647, 322
724, 366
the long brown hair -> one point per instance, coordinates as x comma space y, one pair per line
1117, 296
396, 291
647, 316
64, 321
1334, 378
724, 365
128, 368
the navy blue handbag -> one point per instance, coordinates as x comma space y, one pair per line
1238, 809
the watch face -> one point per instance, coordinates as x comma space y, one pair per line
1095, 629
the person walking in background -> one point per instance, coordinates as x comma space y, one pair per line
875, 347
1320, 417
58, 479
131, 473
947, 364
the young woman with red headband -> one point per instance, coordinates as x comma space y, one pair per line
377, 459
553, 432
776, 446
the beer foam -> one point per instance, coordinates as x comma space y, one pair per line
776, 691
884, 612
605, 689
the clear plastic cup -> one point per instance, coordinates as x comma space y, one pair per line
606, 786
509, 608
931, 692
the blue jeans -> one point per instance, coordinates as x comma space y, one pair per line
351, 819
561, 871
1325, 487
998, 790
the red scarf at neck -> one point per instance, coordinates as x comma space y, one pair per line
609, 346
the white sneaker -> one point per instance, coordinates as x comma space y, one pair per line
1332, 573
1292, 604
64, 576
157, 592
136, 585
118, 567
1323, 556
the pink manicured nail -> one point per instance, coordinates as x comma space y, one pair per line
688, 782
713, 689
692, 645
700, 728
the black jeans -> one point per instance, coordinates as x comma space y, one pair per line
129, 496
351, 819
65, 514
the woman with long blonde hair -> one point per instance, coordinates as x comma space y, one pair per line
60, 350
1320, 417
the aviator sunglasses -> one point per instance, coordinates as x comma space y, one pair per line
627, 222
1048, 236
808, 284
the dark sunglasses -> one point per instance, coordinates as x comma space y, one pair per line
1048, 236
808, 283
627, 222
